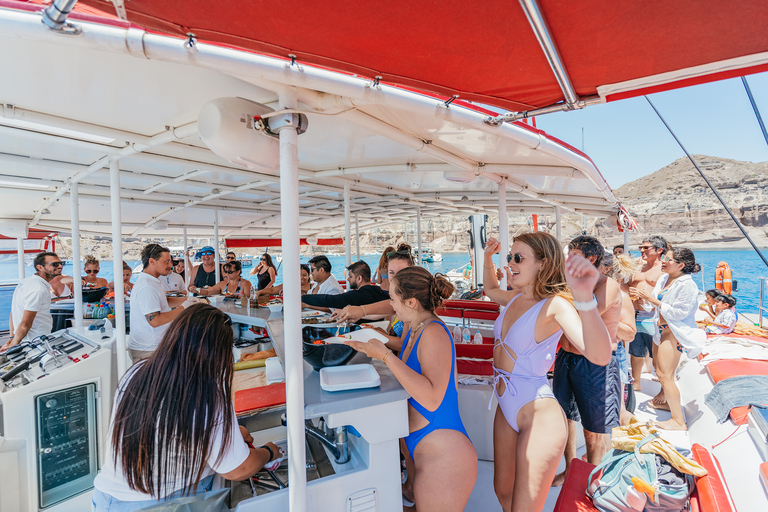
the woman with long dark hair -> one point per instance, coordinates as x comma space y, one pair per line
173, 423
265, 272
675, 300
445, 460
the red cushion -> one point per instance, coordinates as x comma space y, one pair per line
474, 351
713, 492
474, 367
573, 497
452, 312
481, 315
764, 475
739, 414
482, 305
726, 368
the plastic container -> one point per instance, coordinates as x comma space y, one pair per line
457, 334
466, 336
478, 339
355, 376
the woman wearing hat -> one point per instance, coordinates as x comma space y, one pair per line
204, 274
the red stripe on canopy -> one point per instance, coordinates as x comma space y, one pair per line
239, 243
483, 51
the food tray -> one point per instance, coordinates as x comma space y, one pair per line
355, 376
358, 335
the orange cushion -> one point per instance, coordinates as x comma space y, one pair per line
764, 475
713, 492
739, 414
726, 368
573, 497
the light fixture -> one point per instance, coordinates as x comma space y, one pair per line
25, 184
160, 225
215, 191
464, 198
45, 211
73, 134
459, 176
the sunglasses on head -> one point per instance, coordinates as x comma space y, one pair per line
87, 271
56, 264
401, 252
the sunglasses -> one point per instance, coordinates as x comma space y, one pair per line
667, 259
57, 264
645, 247
517, 258
402, 252
206, 254
230, 271
87, 271
263, 259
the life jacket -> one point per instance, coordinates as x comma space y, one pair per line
723, 277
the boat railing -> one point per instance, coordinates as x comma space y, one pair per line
761, 307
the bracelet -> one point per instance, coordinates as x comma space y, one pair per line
586, 306
384, 359
363, 308
271, 453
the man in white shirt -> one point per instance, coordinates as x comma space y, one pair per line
31, 303
325, 283
151, 311
173, 282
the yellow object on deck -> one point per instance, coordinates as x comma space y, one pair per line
258, 363
641, 485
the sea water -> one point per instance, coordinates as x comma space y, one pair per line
746, 265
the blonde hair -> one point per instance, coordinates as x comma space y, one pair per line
90, 260
551, 279
623, 267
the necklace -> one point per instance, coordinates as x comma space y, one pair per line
421, 324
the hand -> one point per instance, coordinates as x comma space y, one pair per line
372, 348
191, 301
247, 437
492, 246
348, 314
499, 274
276, 451
581, 276
7, 345
641, 293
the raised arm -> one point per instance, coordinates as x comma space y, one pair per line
579, 326
490, 281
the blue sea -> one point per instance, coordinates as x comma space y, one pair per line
746, 265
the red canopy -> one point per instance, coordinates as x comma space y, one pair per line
234, 243
483, 51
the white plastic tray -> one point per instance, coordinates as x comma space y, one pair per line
354, 376
358, 335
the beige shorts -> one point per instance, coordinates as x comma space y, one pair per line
138, 355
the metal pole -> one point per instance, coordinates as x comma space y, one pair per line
294, 363
77, 271
347, 234
117, 264
760, 309
357, 236
558, 224
20, 257
626, 241
418, 235
503, 225
184, 258
733, 217
755, 109
216, 244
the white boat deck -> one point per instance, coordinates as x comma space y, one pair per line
738, 456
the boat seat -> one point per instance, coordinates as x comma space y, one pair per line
474, 359
764, 475
481, 314
712, 491
451, 312
726, 368
481, 305
573, 497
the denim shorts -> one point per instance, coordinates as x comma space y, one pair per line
103, 502
587, 392
621, 354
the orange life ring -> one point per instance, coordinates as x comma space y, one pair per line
723, 277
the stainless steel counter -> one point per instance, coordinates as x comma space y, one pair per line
318, 402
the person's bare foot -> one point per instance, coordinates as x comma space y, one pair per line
663, 406
659, 399
559, 479
670, 424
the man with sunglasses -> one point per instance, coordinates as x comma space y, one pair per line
204, 274
361, 291
31, 303
652, 249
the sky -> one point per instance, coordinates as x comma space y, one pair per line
626, 139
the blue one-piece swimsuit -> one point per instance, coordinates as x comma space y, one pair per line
446, 416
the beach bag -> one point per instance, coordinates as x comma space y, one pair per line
615, 490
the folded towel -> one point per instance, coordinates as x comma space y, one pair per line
736, 392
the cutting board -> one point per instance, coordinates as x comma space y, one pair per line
263, 397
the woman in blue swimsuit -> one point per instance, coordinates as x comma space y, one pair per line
529, 430
445, 459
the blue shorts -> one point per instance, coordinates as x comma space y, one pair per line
642, 345
103, 502
621, 354
587, 392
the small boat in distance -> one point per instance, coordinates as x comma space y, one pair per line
429, 255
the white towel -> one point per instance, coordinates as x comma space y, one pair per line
275, 371
724, 347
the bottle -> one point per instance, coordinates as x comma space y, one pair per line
478, 338
466, 336
89, 311
457, 334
